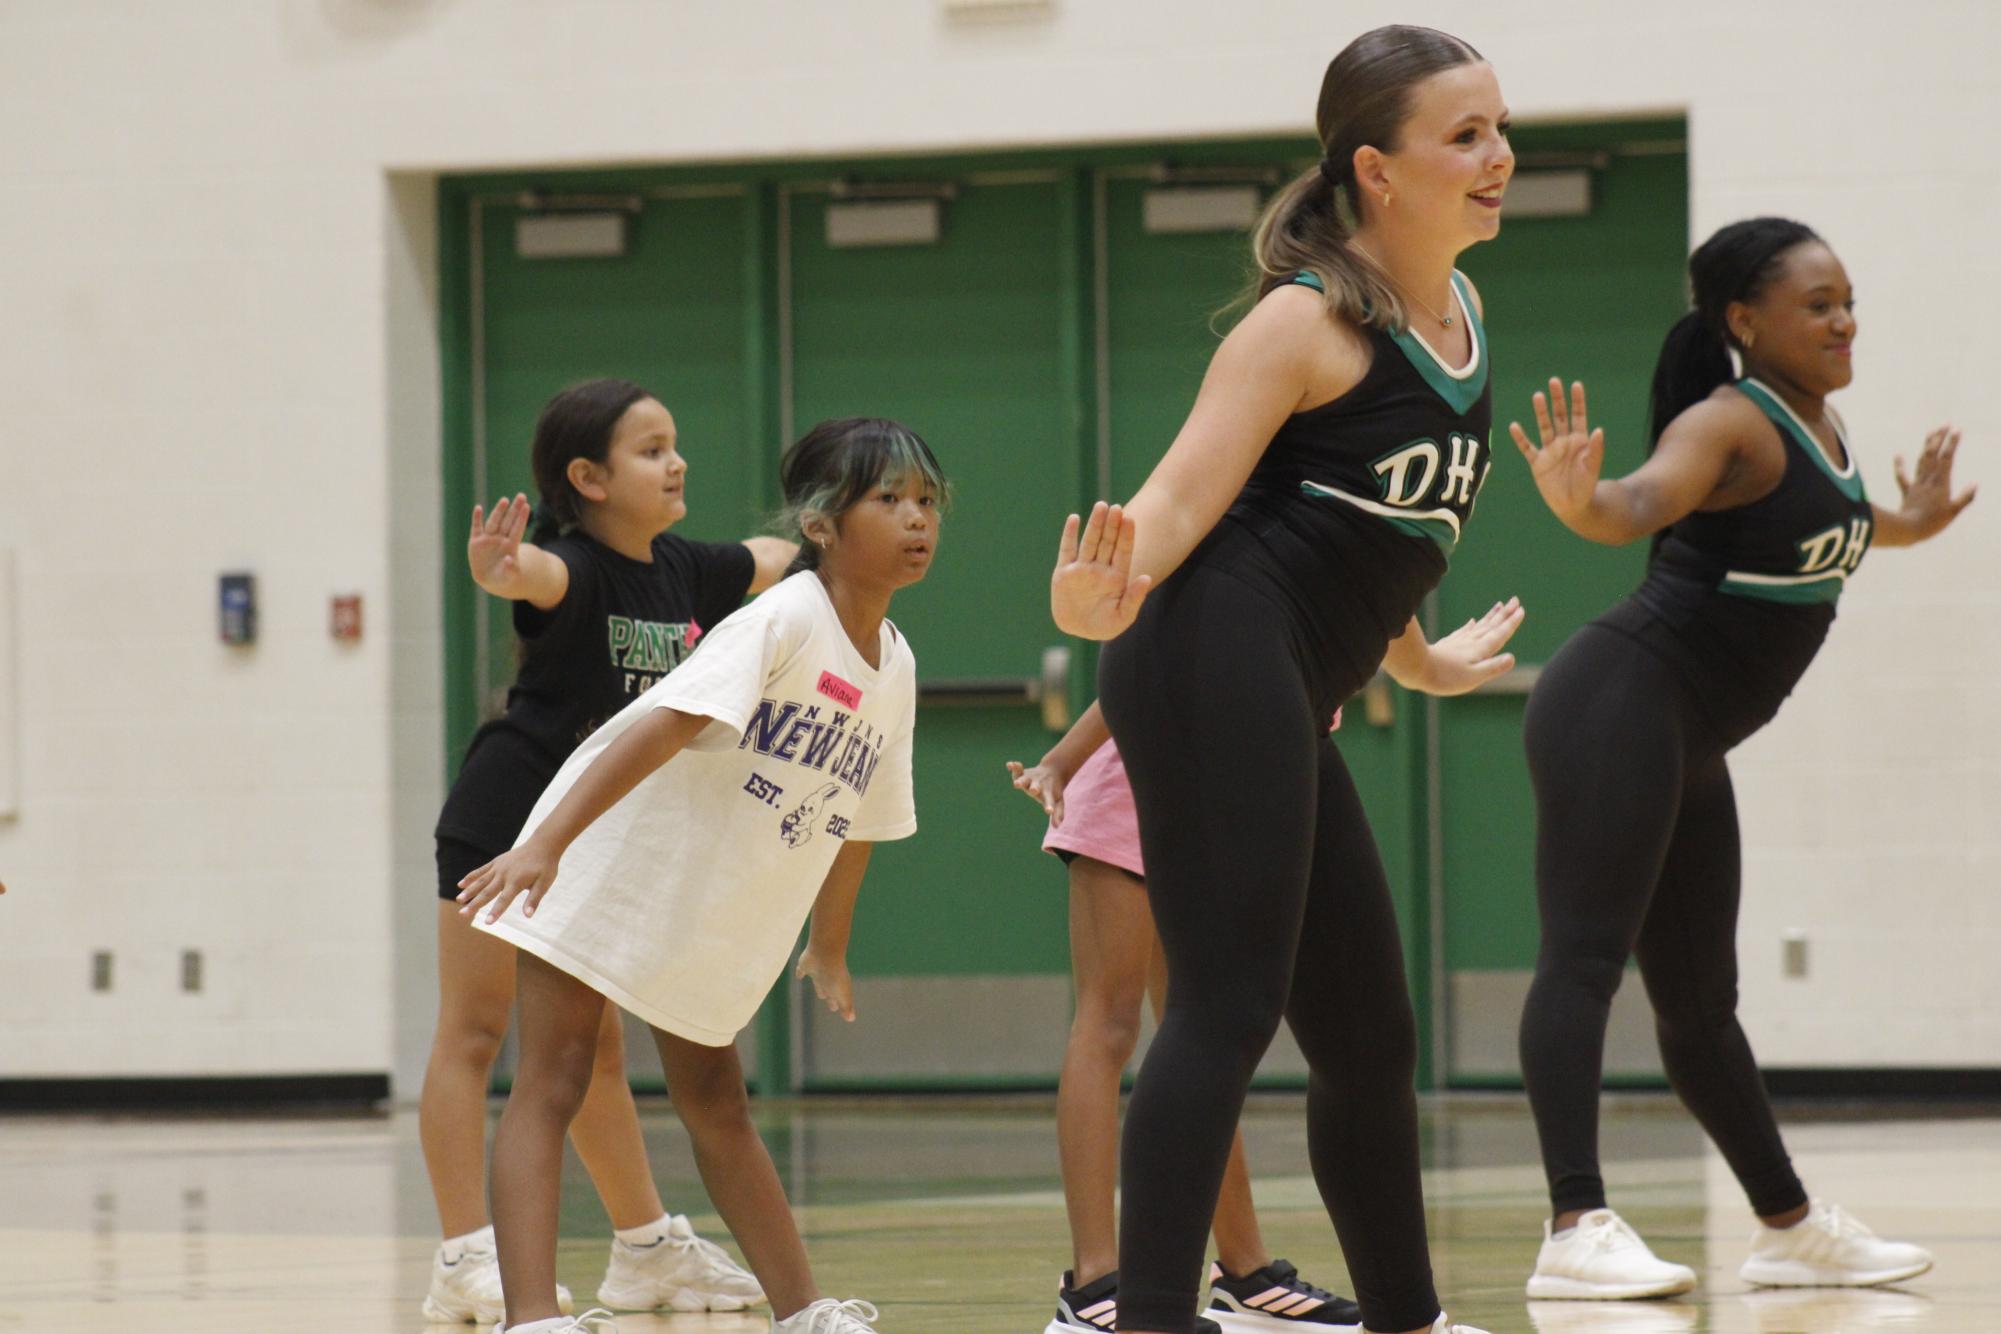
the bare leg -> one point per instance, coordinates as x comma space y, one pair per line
475, 994
1240, 1244
706, 1084
475, 1000
560, 1020
607, 1136
1111, 938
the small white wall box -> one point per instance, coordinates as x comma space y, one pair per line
568, 235
1172, 209
1548, 194
883, 222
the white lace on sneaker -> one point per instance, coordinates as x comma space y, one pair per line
828, 1316
681, 1271
1829, 1248
1603, 1259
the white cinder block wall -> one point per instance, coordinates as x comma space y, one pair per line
217, 351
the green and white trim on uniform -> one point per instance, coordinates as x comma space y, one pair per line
1829, 557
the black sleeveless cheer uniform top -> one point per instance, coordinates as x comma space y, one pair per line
1738, 601
1352, 512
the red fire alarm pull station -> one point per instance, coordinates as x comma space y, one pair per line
346, 619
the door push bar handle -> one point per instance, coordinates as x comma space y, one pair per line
1050, 690
1379, 702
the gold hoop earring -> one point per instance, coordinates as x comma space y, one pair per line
1749, 339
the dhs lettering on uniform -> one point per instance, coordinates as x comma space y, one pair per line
1405, 476
1841, 546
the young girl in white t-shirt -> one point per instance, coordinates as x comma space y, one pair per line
677, 890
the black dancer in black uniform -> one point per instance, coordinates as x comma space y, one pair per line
1761, 515
1305, 509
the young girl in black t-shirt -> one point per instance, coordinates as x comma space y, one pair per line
606, 602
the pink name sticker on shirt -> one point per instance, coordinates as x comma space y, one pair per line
695, 633
834, 688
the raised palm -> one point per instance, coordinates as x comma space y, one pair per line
494, 548
1093, 592
1927, 495
1569, 455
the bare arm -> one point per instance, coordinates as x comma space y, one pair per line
1688, 465
625, 763
825, 958
508, 567
1261, 374
1044, 781
773, 555
1462, 660
1927, 504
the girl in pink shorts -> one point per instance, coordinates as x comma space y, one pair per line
1115, 959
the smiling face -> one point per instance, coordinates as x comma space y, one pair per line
1800, 327
644, 479
1450, 162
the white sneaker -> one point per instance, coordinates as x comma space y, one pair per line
1829, 1249
1440, 1326
597, 1320
1603, 1259
1612, 1318
828, 1316
466, 1288
680, 1272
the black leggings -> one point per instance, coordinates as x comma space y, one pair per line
1271, 902
1636, 853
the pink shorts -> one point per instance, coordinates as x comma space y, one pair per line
1099, 821
1099, 818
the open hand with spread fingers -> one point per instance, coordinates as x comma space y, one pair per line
525, 869
1569, 455
494, 549
1928, 503
1473, 654
1093, 592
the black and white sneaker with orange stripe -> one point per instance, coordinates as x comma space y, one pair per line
1276, 1298
1095, 1308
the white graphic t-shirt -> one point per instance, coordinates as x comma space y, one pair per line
682, 902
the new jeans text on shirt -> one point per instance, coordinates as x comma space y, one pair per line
798, 735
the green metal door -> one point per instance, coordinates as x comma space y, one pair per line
974, 339
1588, 298
1165, 294
674, 312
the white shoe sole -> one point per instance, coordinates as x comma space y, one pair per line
681, 1299
1799, 1274
1555, 1288
1248, 1322
1060, 1326
437, 1313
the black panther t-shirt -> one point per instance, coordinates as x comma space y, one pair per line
621, 626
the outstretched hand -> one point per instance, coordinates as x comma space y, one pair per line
494, 549
1042, 785
1472, 655
1928, 501
525, 869
832, 982
1569, 456
1093, 592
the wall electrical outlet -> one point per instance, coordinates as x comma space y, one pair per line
100, 970
191, 970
